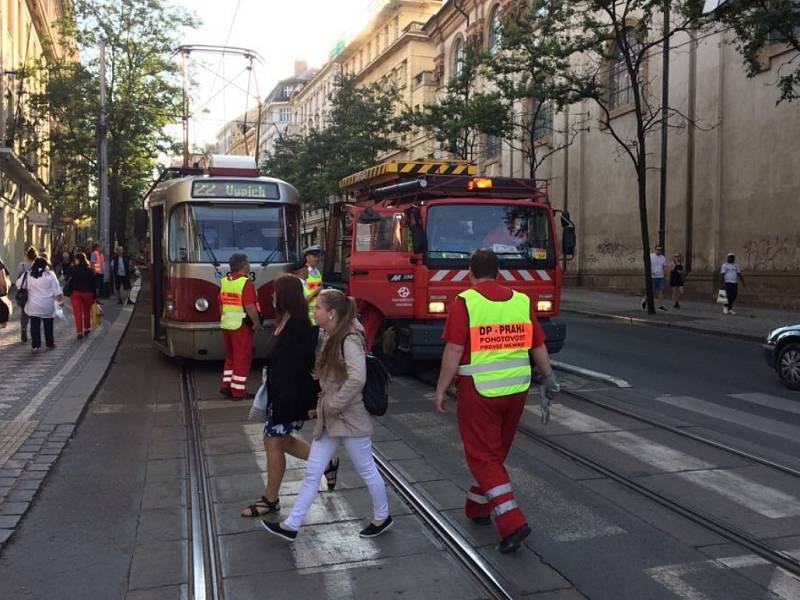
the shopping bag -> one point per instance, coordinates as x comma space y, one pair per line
58, 310
258, 412
722, 297
96, 315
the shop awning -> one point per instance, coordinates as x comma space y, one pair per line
13, 167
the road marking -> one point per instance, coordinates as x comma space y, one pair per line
770, 401
652, 453
763, 499
596, 375
731, 415
574, 420
672, 578
782, 583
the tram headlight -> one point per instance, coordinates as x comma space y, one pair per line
201, 305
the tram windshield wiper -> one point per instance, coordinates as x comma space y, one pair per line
269, 258
459, 252
207, 248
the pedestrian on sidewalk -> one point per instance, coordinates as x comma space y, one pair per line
731, 275
491, 334
291, 389
341, 415
81, 288
657, 262
44, 293
22, 268
5, 286
677, 279
98, 261
121, 274
239, 320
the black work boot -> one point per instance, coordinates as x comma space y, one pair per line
514, 540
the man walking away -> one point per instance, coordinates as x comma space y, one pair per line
657, 262
121, 274
22, 268
239, 320
731, 274
491, 334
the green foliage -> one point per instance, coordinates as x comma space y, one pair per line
464, 115
359, 130
144, 97
759, 25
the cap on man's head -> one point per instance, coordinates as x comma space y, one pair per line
237, 261
315, 249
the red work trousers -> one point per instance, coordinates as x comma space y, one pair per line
487, 427
82, 310
238, 355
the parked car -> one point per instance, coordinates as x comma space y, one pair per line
782, 351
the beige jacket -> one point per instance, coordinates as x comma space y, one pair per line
340, 407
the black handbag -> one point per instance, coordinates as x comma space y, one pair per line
68, 286
21, 297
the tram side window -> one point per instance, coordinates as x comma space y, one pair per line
388, 234
179, 235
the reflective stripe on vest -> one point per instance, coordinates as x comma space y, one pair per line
230, 297
501, 334
310, 285
99, 259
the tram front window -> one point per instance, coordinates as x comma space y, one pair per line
202, 233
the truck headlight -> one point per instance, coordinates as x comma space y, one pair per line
544, 306
201, 305
436, 307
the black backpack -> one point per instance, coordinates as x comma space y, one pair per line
376, 389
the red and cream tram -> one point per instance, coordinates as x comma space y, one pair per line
198, 219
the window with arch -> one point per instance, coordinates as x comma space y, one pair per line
458, 57
495, 30
619, 91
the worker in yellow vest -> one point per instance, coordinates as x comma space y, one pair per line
312, 281
98, 262
491, 334
239, 320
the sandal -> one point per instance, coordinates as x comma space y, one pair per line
331, 472
261, 507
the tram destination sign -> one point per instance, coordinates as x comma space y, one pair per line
251, 190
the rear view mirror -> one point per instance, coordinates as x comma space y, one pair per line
368, 217
568, 237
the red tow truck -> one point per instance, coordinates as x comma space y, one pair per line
400, 244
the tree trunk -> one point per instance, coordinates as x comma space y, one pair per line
641, 179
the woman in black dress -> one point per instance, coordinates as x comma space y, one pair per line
676, 279
292, 390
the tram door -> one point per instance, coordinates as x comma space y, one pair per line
157, 273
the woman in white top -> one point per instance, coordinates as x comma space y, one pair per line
44, 293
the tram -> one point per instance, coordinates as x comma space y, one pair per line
197, 220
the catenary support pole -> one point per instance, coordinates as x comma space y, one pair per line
104, 217
662, 199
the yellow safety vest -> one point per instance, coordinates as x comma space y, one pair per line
230, 297
501, 334
310, 285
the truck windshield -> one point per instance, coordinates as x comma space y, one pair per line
200, 233
519, 235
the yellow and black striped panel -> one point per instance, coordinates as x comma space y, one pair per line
393, 171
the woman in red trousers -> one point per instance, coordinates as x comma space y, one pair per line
82, 293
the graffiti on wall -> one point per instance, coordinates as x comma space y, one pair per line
777, 253
613, 253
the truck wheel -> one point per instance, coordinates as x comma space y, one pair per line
788, 366
396, 361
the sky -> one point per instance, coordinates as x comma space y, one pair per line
281, 31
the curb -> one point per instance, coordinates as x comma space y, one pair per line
681, 327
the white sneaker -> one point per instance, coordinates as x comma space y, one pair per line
724, 310
731, 312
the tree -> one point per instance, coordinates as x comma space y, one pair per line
463, 116
613, 41
144, 96
758, 24
530, 67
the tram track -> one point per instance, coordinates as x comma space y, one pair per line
771, 554
206, 568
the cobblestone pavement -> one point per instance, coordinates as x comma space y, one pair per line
30, 385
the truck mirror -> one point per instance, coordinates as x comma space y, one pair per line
368, 217
568, 242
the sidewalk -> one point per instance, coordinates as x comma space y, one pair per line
42, 397
706, 317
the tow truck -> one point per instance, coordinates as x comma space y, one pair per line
400, 241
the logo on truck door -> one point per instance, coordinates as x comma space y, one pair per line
403, 292
396, 277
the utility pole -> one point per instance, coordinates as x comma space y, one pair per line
104, 216
662, 200
185, 69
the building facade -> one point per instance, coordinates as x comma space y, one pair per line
733, 181
29, 34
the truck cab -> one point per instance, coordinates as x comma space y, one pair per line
404, 245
